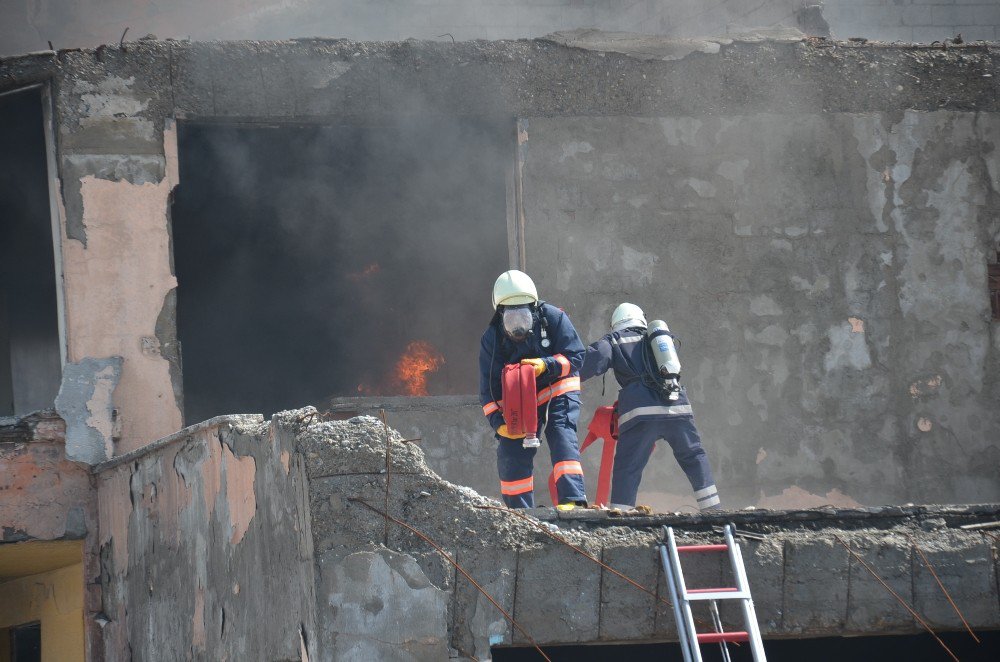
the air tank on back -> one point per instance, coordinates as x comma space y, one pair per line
664, 353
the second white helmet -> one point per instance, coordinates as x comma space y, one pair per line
514, 288
627, 315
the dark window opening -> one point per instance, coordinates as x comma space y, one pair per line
319, 261
24, 643
30, 361
826, 649
993, 275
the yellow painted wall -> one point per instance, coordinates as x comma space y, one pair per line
56, 599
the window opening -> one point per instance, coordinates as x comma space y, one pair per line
328, 261
30, 361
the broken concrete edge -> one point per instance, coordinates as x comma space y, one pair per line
86, 402
42, 425
512, 555
954, 515
38, 67
368, 404
654, 47
234, 420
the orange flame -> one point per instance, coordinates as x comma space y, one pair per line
419, 359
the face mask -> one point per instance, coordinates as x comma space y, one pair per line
517, 322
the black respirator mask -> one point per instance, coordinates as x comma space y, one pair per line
517, 321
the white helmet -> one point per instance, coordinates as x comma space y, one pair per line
514, 288
627, 315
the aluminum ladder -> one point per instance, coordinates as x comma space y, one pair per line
681, 598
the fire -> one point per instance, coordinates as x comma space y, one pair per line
409, 377
419, 359
368, 271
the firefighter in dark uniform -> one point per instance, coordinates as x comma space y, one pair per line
650, 407
526, 330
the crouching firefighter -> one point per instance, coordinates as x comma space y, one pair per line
528, 331
652, 405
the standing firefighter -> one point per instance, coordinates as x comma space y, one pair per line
525, 330
652, 405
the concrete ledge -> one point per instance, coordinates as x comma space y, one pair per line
159, 444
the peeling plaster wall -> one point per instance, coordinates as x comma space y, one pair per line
118, 167
673, 137
44, 496
826, 274
206, 546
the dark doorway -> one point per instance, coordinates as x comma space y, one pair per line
26, 643
827, 649
30, 361
318, 261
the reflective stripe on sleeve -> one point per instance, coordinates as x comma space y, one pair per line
512, 487
626, 341
571, 467
564, 362
655, 410
559, 388
491, 407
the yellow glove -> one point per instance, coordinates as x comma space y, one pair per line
502, 431
538, 363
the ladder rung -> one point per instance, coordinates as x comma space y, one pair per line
726, 594
702, 548
711, 590
716, 637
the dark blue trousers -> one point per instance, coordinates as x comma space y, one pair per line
516, 463
635, 445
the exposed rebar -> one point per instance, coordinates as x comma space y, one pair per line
385, 426
898, 598
541, 527
927, 564
447, 557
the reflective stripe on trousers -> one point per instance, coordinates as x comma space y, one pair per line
655, 410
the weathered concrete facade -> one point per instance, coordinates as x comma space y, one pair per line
816, 220
87, 23
383, 593
825, 272
205, 543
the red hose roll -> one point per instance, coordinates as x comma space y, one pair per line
520, 407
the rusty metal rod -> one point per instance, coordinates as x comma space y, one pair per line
541, 527
896, 595
954, 606
458, 567
388, 470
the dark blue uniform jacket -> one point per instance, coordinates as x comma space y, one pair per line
625, 352
563, 358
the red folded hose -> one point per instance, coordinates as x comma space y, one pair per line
520, 407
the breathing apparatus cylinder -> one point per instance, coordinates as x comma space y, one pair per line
665, 356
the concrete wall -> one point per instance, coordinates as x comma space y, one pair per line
90, 23
834, 132
206, 547
921, 21
383, 592
826, 274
